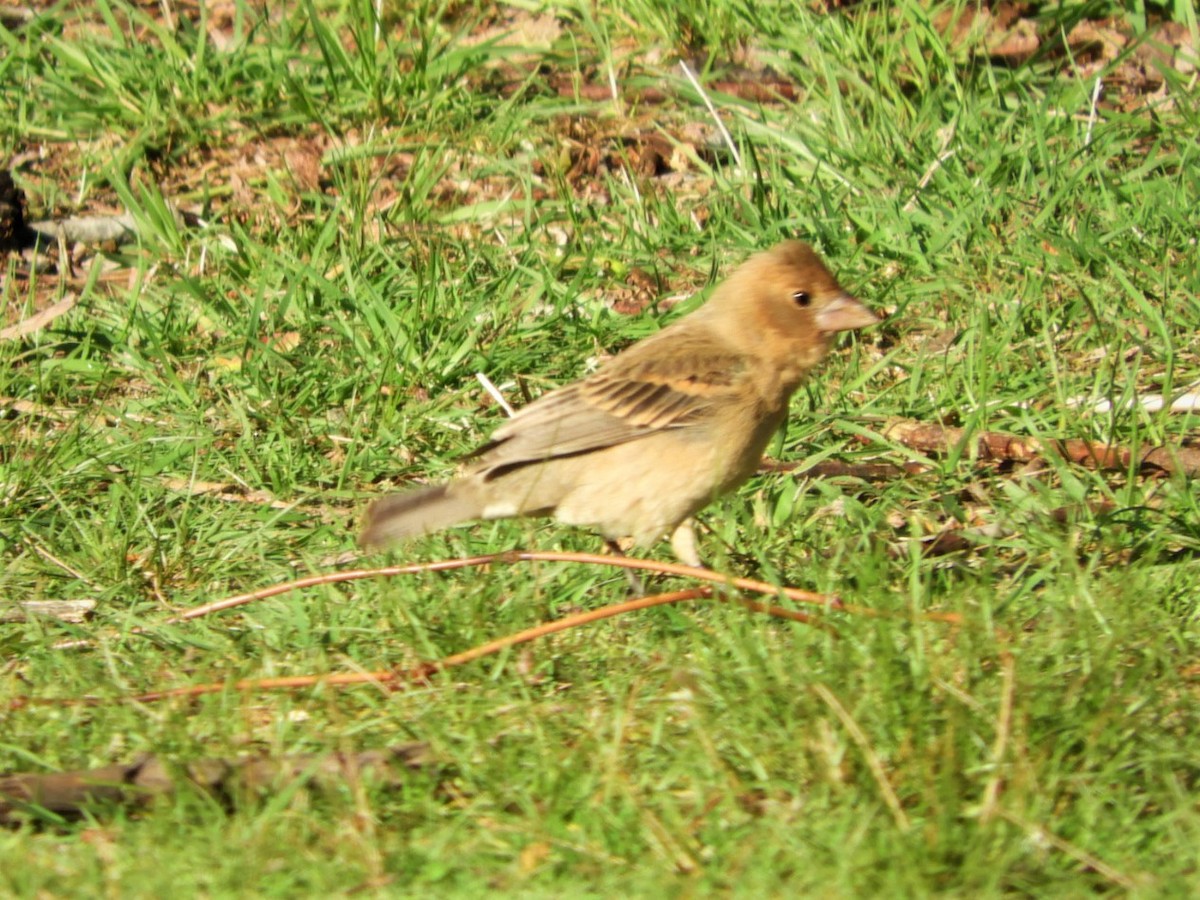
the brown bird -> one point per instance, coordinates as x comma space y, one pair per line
663, 428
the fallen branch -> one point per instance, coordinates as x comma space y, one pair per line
991, 445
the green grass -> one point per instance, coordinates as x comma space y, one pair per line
316, 340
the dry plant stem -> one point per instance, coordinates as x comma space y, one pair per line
1040, 835
515, 556
425, 671
537, 631
991, 794
864, 745
796, 595
828, 601
712, 111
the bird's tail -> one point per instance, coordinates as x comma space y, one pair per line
413, 513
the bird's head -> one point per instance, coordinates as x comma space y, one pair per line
785, 305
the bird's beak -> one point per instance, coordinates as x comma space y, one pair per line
844, 314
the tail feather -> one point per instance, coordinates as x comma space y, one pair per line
413, 513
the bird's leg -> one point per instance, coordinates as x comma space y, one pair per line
683, 542
636, 588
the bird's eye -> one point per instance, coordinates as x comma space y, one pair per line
801, 298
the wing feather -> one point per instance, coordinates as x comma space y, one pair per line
634, 396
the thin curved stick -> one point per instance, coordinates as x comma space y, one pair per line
419, 673
828, 601
426, 670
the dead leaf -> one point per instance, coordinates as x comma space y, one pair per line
39, 320
283, 341
1016, 44
532, 856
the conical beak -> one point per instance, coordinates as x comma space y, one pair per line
844, 314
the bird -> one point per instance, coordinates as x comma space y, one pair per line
659, 431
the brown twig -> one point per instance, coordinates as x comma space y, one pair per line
515, 556
424, 671
992, 445
828, 601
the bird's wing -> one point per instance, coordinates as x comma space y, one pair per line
639, 393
